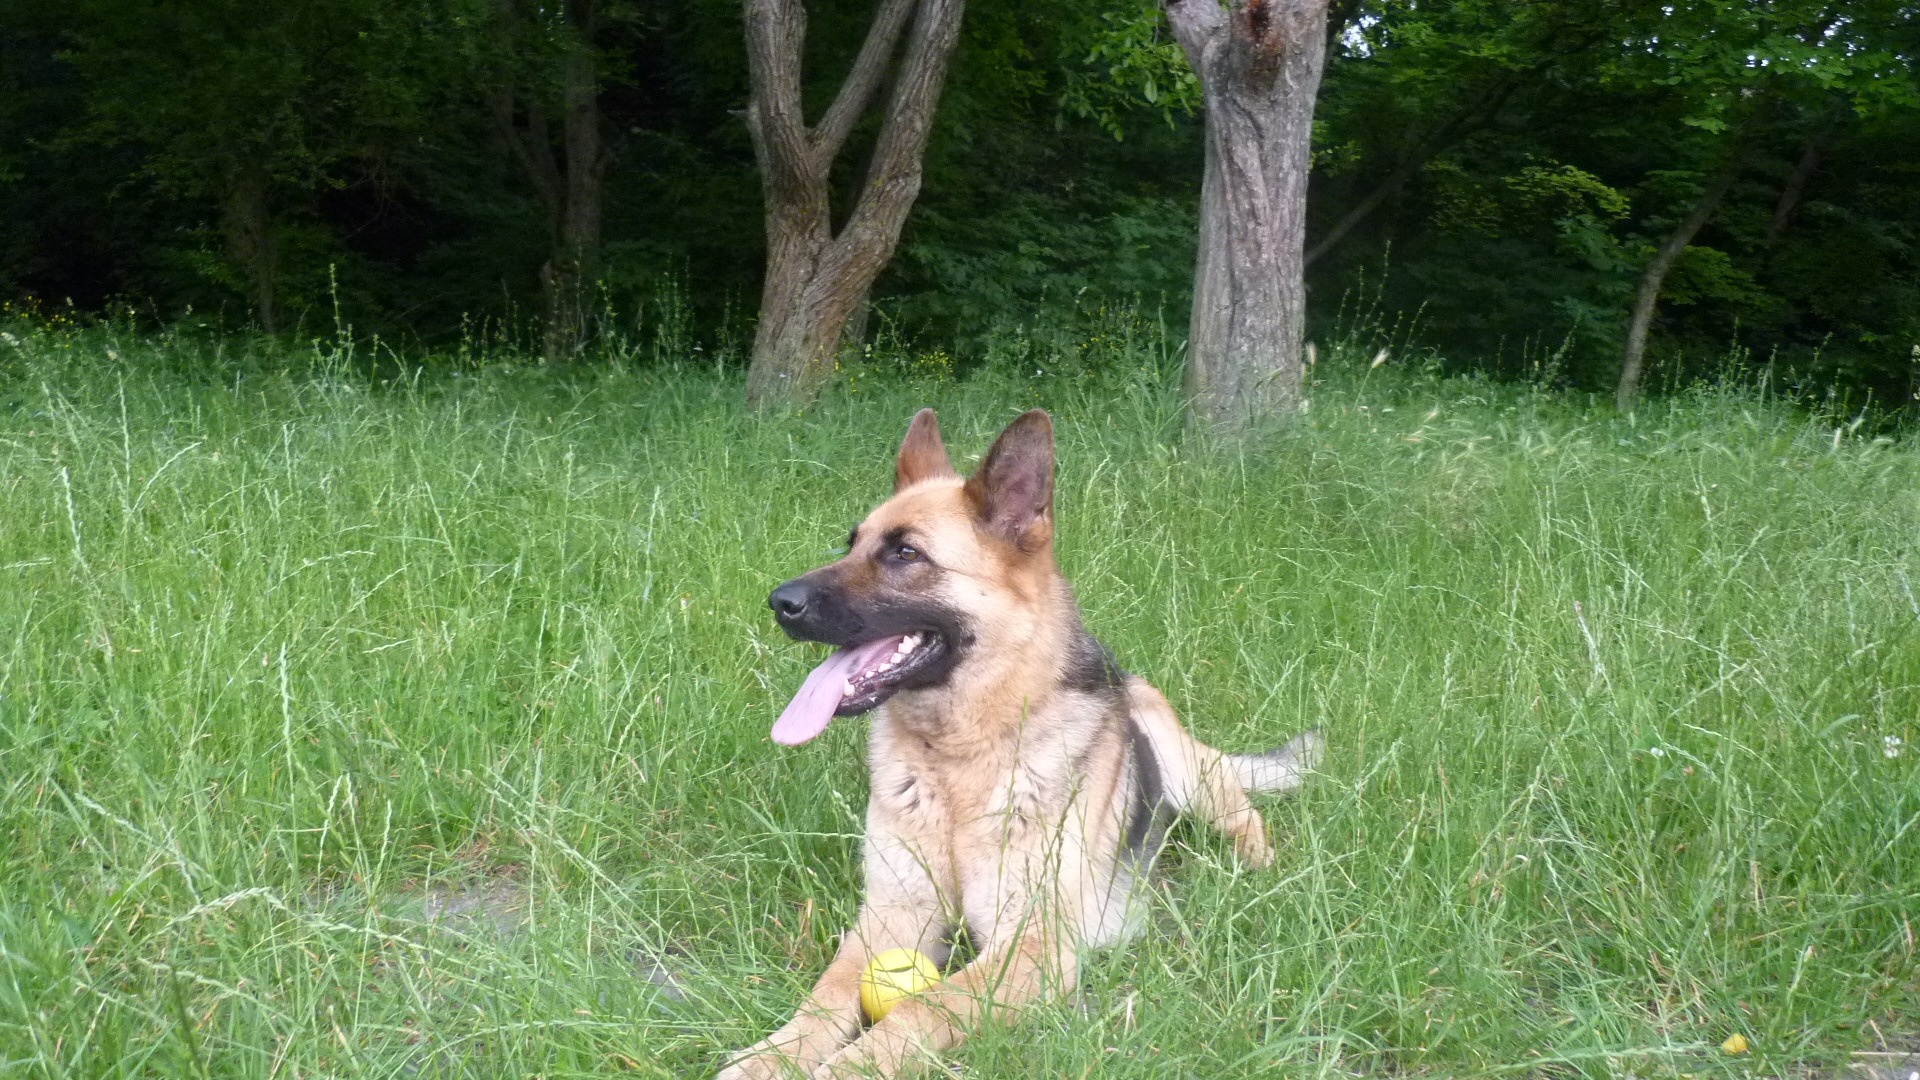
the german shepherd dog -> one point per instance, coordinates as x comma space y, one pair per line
1021, 781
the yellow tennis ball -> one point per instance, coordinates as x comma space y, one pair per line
892, 975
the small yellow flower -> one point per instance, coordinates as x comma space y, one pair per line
1736, 1044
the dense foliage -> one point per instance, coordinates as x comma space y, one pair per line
1498, 171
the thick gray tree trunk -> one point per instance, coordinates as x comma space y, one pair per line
817, 278
1647, 298
1259, 63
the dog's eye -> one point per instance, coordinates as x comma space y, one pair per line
905, 553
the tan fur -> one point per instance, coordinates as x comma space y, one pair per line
999, 800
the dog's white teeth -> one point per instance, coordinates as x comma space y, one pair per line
848, 687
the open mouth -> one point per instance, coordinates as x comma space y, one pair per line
856, 679
876, 680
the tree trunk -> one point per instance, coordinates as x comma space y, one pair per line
1259, 64
574, 267
854, 333
1655, 274
571, 189
816, 278
1795, 188
248, 224
1208, 327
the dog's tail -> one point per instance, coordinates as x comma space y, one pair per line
1279, 769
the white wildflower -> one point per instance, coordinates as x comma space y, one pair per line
1890, 746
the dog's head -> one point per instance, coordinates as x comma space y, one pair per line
926, 575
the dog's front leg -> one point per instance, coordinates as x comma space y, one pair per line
1032, 966
830, 1017
902, 910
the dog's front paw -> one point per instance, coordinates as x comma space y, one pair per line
881, 1053
1252, 847
761, 1061
852, 1063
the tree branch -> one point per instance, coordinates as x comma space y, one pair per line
1796, 187
1416, 154
534, 156
1197, 25
776, 31
1362, 209
894, 172
856, 93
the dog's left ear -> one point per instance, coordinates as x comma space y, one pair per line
922, 455
1012, 490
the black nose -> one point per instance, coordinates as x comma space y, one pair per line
790, 600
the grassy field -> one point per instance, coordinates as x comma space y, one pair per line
418, 727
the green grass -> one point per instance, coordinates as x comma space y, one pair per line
283, 654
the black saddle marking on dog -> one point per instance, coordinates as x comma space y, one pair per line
1147, 816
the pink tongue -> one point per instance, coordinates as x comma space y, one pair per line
812, 708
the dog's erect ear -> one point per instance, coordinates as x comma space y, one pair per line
1012, 490
922, 455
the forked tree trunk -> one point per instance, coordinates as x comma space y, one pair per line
1259, 63
816, 278
1655, 275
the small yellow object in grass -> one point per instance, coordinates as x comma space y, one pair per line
892, 975
1736, 1044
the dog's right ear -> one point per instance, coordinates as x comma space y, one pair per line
1012, 490
922, 455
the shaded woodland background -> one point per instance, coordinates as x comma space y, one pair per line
1495, 175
